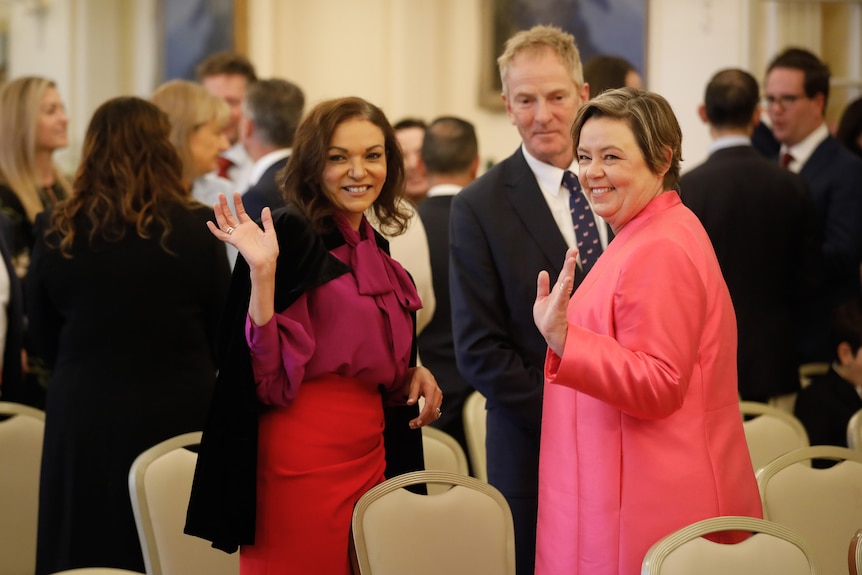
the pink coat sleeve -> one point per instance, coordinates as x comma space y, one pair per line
641, 362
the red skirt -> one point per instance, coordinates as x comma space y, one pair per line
316, 458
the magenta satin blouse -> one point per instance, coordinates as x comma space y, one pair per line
357, 325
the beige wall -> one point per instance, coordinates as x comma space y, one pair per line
411, 57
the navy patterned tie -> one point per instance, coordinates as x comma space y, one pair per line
586, 234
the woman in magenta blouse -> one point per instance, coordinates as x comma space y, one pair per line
325, 318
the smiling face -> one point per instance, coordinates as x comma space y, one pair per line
613, 171
206, 143
542, 101
51, 132
355, 168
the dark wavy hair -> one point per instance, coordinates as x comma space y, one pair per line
302, 176
130, 176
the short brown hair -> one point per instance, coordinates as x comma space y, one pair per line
537, 39
230, 63
651, 120
302, 176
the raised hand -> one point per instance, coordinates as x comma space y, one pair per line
259, 247
549, 309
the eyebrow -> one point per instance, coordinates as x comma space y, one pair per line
340, 149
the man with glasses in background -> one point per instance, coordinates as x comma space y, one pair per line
797, 90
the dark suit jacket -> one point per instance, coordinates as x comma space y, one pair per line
436, 344
266, 192
834, 176
765, 232
825, 408
502, 234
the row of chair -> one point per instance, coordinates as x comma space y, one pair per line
166, 469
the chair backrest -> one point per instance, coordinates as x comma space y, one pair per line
772, 548
96, 571
20, 464
468, 528
475, 418
854, 554
442, 453
771, 432
854, 431
809, 370
823, 505
160, 483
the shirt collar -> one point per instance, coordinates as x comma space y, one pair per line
803, 150
728, 142
443, 190
264, 163
549, 178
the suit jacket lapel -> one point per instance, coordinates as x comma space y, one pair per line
530, 206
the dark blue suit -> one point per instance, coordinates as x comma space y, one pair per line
266, 192
834, 176
436, 344
502, 234
762, 223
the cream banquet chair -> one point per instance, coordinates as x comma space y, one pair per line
20, 463
854, 431
772, 549
96, 571
474, 429
771, 432
854, 554
823, 505
442, 453
160, 482
465, 530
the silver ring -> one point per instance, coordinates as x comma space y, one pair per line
439, 412
229, 230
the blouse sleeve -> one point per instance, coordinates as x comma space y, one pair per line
280, 351
658, 313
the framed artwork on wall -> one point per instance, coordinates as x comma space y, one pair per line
600, 27
193, 29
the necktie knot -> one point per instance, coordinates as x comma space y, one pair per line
586, 233
786, 159
224, 165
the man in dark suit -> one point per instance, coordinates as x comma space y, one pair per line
272, 110
450, 153
765, 232
797, 89
826, 406
507, 226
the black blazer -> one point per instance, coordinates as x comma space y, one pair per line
766, 236
266, 192
825, 408
834, 176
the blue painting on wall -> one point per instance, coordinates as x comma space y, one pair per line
194, 29
611, 27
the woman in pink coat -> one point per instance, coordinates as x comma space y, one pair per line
641, 432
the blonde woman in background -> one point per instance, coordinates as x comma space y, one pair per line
198, 121
33, 124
